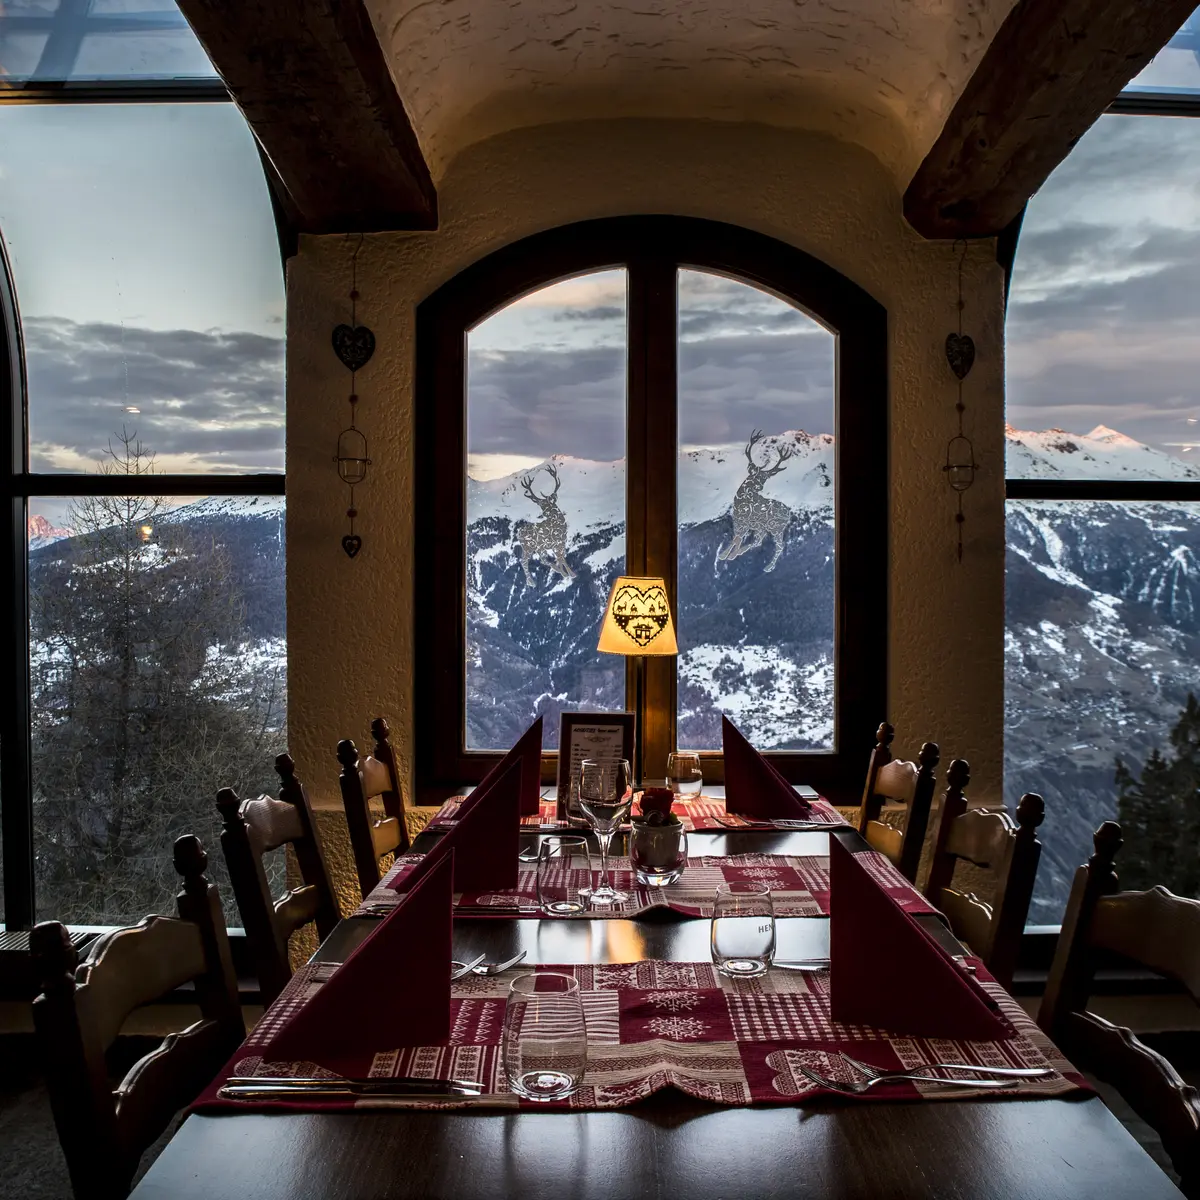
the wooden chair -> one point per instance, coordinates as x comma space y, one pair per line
252, 828
900, 785
1005, 849
361, 780
1157, 930
81, 1010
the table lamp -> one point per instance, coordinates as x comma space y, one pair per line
637, 623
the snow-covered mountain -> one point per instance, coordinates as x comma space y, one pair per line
1102, 454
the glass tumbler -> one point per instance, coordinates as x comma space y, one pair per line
544, 1045
564, 875
684, 776
743, 929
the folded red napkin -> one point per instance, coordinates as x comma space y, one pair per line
528, 752
886, 971
392, 991
753, 787
486, 837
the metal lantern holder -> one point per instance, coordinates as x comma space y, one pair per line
353, 344
960, 466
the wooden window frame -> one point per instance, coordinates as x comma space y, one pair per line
652, 249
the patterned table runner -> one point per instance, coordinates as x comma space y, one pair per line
652, 1025
799, 886
707, 814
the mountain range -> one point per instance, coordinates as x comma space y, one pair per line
1103, 612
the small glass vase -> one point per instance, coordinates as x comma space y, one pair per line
658, 853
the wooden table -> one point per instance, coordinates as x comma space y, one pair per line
669, 1146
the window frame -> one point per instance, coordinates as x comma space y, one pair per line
16, 773
652, 248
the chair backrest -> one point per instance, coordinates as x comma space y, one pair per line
253, 828
81, 1010
1007, 850
1157, 930
361, 780
906, 783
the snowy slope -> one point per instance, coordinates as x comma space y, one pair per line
1102, 454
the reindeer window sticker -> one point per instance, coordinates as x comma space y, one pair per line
547, 537
755, 515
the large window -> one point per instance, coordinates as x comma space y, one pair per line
662, 397
144, 346
1103, 597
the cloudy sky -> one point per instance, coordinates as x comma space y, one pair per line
150, 284
1104, 315
547, 374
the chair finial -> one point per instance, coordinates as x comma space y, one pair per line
959, 774
347, 753
191, 860
54, 957
380, 730
1031, 811
228, 803
285, 768
885, 734
930, 756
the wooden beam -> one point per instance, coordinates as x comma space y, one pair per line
1051, 70
313, 83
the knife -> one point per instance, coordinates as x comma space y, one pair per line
272, 1087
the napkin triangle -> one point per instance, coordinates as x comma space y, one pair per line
486, 837
753, 787
887, 972
392, 991
528, 751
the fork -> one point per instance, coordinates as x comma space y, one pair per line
1011, 1072
465, 968
857, 1089
498, 968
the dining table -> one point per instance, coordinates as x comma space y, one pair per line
668, 1146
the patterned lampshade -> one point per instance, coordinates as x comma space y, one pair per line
637, 618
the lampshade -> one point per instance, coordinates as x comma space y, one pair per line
637, 618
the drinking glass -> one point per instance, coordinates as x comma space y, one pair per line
657, 853
559, 858
684, 776
605, 796
544, 1046
743, 929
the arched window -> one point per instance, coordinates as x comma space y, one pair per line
651, 396
143, 654
1103, 590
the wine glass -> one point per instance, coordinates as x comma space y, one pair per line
684, 776
605, 796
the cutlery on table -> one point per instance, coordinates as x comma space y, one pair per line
804, 964
1006, 1072
461, 969
277, 1088
786, 825
857, 1089
497, 968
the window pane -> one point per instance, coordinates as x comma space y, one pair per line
545, 506
756, 463
1102, 353
1103, 602
1176, 67
159, 675
45, 41
147, 269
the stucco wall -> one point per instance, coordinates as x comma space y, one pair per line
350, 635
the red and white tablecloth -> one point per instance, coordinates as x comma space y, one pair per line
652, 1025
706, 814
799, 887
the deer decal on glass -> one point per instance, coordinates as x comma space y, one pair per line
545, 538
755, 515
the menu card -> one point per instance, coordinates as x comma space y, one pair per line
605, 737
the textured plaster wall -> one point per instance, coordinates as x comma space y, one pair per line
881, 73
350, 635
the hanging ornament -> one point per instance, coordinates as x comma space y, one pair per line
353, 344
960, 466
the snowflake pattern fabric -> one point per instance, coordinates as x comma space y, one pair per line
653, 1025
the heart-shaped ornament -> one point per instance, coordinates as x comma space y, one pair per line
642, 613
354, 345
352, 544
960, 353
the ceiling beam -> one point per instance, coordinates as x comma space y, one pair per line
314, 85
1051, 70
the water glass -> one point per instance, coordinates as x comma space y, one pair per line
684, 776
605, 796
657, 853
544, 1046
559, 861
743, 929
